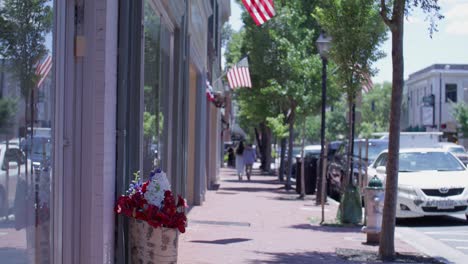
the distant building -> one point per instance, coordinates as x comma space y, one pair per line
428, 95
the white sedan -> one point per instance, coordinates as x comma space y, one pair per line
430, 182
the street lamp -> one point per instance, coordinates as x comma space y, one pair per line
323, 46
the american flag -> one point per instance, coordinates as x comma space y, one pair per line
209, 92
239, 75
367, 84
260, 10
43, 69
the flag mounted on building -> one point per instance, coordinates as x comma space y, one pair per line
260, 10
43, 69
209, 92
239, 75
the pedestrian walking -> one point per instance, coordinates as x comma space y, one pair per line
249, 159
240, 160
231, 157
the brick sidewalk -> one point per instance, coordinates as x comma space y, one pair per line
260, 222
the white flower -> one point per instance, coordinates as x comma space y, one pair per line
155, 191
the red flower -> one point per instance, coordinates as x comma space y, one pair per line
144, 186
135, 206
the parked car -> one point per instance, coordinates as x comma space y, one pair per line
310, 151
431, 181
337, 164
457, 150
12, 167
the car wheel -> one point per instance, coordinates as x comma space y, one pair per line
466, 217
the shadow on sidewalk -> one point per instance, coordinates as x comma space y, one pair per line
221, 241
253, 189
328, 229
277, 182
303, 257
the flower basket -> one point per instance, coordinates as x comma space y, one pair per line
153, 245
155, 219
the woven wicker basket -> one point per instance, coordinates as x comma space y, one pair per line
151, 245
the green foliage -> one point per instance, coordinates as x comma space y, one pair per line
460, 113
149, 124
278, 127
7, 113
357, 31
375, 110
284, 68
336, 125
226, 33
24, 25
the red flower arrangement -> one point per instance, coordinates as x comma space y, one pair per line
166, 213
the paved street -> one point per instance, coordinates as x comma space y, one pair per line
442, 235
260, 222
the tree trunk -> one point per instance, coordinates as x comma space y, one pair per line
282, 156
387, 235
351, 141
290, 147
266, 146
303, 192
260, 147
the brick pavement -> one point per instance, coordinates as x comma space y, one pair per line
260, 222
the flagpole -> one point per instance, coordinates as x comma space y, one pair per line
219, 78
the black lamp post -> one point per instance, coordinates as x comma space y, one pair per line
323, 45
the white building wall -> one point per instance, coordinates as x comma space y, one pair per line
433, 82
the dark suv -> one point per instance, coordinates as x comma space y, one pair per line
336, 168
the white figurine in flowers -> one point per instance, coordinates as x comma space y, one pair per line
155, 190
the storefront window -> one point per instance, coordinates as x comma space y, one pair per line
26, 114
152, 118
156, 84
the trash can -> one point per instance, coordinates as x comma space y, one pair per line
310, 175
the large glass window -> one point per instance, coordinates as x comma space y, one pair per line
451, 93
157, 72
26, 114
152, 119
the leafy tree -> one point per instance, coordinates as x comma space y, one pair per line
357, 31
375, 110
7, 113
460, 113
393, 13
284, 69
24, 27
337, 126
226, 34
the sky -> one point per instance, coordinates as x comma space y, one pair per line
447, 46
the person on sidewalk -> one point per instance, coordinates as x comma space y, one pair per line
240, 160
249, 159
231, 157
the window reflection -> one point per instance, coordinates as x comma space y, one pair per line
151, 117
157, 69
26, 89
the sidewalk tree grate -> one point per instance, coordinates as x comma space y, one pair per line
222, 223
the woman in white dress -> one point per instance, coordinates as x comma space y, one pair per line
240, 160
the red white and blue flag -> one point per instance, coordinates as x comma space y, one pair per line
43, 69
209, 92
239, 75
260, 10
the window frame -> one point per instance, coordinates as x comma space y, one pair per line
453, 92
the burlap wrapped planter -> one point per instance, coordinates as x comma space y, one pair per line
151, 245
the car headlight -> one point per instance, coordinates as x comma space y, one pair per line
408, 190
